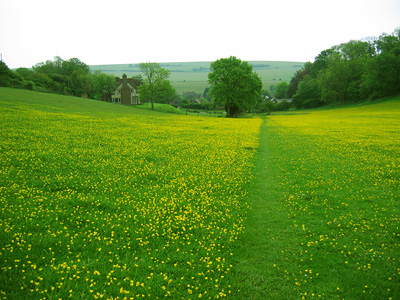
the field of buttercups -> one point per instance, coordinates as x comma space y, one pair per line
99, 201
339, 171
102, 201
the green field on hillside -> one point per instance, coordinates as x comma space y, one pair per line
104, 201
325, 222
192, 76
100, 200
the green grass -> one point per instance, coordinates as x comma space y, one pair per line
99, 200
159, 107
192, 76
325, 217
268, 234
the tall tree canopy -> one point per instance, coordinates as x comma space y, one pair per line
281, 90
156, 86
64, 76
102, 83
350, 71
234, 85
9, 78
69, 77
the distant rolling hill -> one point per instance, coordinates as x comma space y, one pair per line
192, 76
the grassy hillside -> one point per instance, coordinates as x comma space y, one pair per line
326, 211
192, 76
99, 200
106, 201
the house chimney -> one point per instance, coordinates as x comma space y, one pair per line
125, 91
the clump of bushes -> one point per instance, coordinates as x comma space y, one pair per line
268, 106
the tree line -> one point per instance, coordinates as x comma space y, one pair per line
234, 85
67, 77
353, 71
73, 77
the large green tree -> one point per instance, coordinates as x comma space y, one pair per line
308, 93
383, 70
234, 85
66, 76
335, 79
102, 83
281, 90
155, 84
9, 78
297, 77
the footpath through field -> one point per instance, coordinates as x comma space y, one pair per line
324, 206
268, 232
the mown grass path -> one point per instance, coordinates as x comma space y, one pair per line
325, 213
268, 232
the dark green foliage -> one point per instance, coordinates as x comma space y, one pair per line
383, 71
308, 94
349, 72
267, 93
206, 94
166, 94
383, 78
70, 77
102, 83
266, 107
272, 88
234, 85
298, 76
24, 72
184, 101
190, 96
156, 86
282, 106
198, 106
281, 90
42, 82
334, 79
321, 62
9, 78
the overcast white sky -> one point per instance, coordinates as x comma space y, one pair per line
133, 31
